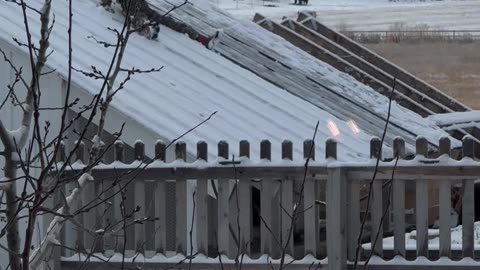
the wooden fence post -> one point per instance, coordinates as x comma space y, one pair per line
336, 213
468, 202
376, 207
399, 202
445, 204
310, 214
287, 202
181, 203
421, 203
245, 203
201, 215
223, 207
160, 203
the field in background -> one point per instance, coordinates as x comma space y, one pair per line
367, 14
452, 67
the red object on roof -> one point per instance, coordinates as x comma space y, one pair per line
203, 39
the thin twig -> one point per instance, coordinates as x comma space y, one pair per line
364, 220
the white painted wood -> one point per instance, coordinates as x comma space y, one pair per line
223, 233
421, 211
266, 197
160, 214
399, 216
88, 198
100, 217
275, 252
310, 218
286, 216
376, 213
336, 219
117, 214
139, 201
245, 203
181, 216
445, 210
353, 201
468, 216
202, 216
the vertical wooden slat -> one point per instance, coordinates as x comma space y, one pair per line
80, 152
139, 201
119, 152
245, 204
160, 150
310, 215
353, 217
160, 214
376, 210
421, 200
100, 217
444, 146
202, 216
265, 150
223, 150
331, 149
223, 206
336, 219
181, 203
139, 150
223, 234
286, 216
376, 153
399, 203
287, 202
117, 215
244, 149
88, 195
468, 218
445, 204
140, 213
60, 157
202, 203
287, 150
266, 197
181, 215
336, 214
468, 203
202, 151
160, 203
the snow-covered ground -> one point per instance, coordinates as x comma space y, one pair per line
368, 14
434, 241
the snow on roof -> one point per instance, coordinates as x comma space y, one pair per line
335, 92
444, 119
194, 83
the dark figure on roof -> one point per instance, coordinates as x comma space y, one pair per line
146, 20
143, 19
301, 2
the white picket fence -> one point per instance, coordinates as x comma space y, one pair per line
155, 204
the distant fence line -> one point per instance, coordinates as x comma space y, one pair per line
370, 36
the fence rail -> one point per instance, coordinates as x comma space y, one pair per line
141, 199
413, 35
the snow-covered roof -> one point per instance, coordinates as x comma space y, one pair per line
194, 83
